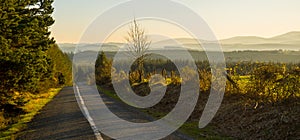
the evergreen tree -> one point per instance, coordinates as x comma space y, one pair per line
24, 41
103, 69
61, 67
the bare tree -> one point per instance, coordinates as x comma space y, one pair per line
138, 45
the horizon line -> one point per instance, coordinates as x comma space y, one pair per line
184, 38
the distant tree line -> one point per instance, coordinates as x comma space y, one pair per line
262, 82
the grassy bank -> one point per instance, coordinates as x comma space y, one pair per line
35, 104
239, 116
189, 128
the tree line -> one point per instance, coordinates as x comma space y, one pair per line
30, 60
260, 81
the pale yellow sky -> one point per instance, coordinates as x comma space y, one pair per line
165, 29
265, 18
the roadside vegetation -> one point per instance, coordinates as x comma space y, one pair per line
14, 125
33, 68
261, 99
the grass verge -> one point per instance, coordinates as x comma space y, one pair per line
36, 103
109, 93
190, 129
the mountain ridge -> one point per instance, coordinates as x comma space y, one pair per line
286, 41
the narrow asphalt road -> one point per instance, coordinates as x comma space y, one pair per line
63, 119
59, 119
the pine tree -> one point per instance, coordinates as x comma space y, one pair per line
103, 69
24, 41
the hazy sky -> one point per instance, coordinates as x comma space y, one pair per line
227, 18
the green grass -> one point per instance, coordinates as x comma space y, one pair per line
191, 129
32, 108
154, 113
109, 93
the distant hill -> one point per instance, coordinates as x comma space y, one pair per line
288, 38
244, 40
287, 41
69, 47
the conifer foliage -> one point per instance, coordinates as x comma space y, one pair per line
27, 65
103, 69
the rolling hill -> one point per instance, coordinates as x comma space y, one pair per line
287, 41
287, 38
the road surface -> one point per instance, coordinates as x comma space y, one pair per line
63, 119
59, 119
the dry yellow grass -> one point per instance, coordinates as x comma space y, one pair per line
35, 104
